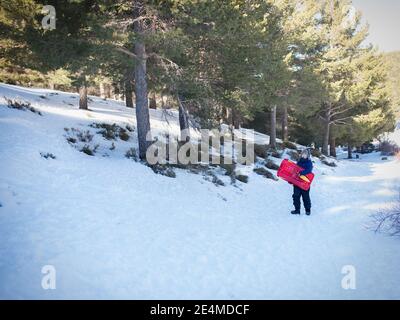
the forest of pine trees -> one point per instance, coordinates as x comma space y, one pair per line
299, 70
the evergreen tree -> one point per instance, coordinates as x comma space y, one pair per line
349, 73
393, 64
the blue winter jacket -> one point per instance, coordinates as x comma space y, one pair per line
306, 164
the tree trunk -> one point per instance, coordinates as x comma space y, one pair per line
183, 120
285, 135
153, 101
128, 93
332, 147
325, 145
142, 107
272, 138
349, 151
83, 101
226, 115
108, 93
102, 90
235, 119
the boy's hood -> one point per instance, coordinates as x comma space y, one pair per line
308, 154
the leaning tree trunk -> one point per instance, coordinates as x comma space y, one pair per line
142, 108
272, 137
83, 101
325, 145
332, 147
285, 135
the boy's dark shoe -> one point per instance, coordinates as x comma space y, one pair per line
295, 212
308, 213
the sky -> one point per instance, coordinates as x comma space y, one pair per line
383, 17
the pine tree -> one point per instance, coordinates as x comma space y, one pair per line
393, 71
341, 36
75, 44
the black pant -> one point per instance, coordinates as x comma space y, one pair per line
297, 194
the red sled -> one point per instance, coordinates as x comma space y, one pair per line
290, 172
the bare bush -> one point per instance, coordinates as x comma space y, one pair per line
113, 131
47, 155
21, 105
132, 154
388, 148
90, 151
84, 136
387, 220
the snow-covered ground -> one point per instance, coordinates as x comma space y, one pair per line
112, 228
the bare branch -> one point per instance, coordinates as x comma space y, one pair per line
342, 111
388, 220
342, 119
126, 51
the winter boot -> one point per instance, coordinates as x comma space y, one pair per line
308, 212
295, 212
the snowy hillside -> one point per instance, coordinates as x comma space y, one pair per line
112, 228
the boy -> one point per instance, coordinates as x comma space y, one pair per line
306, 163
